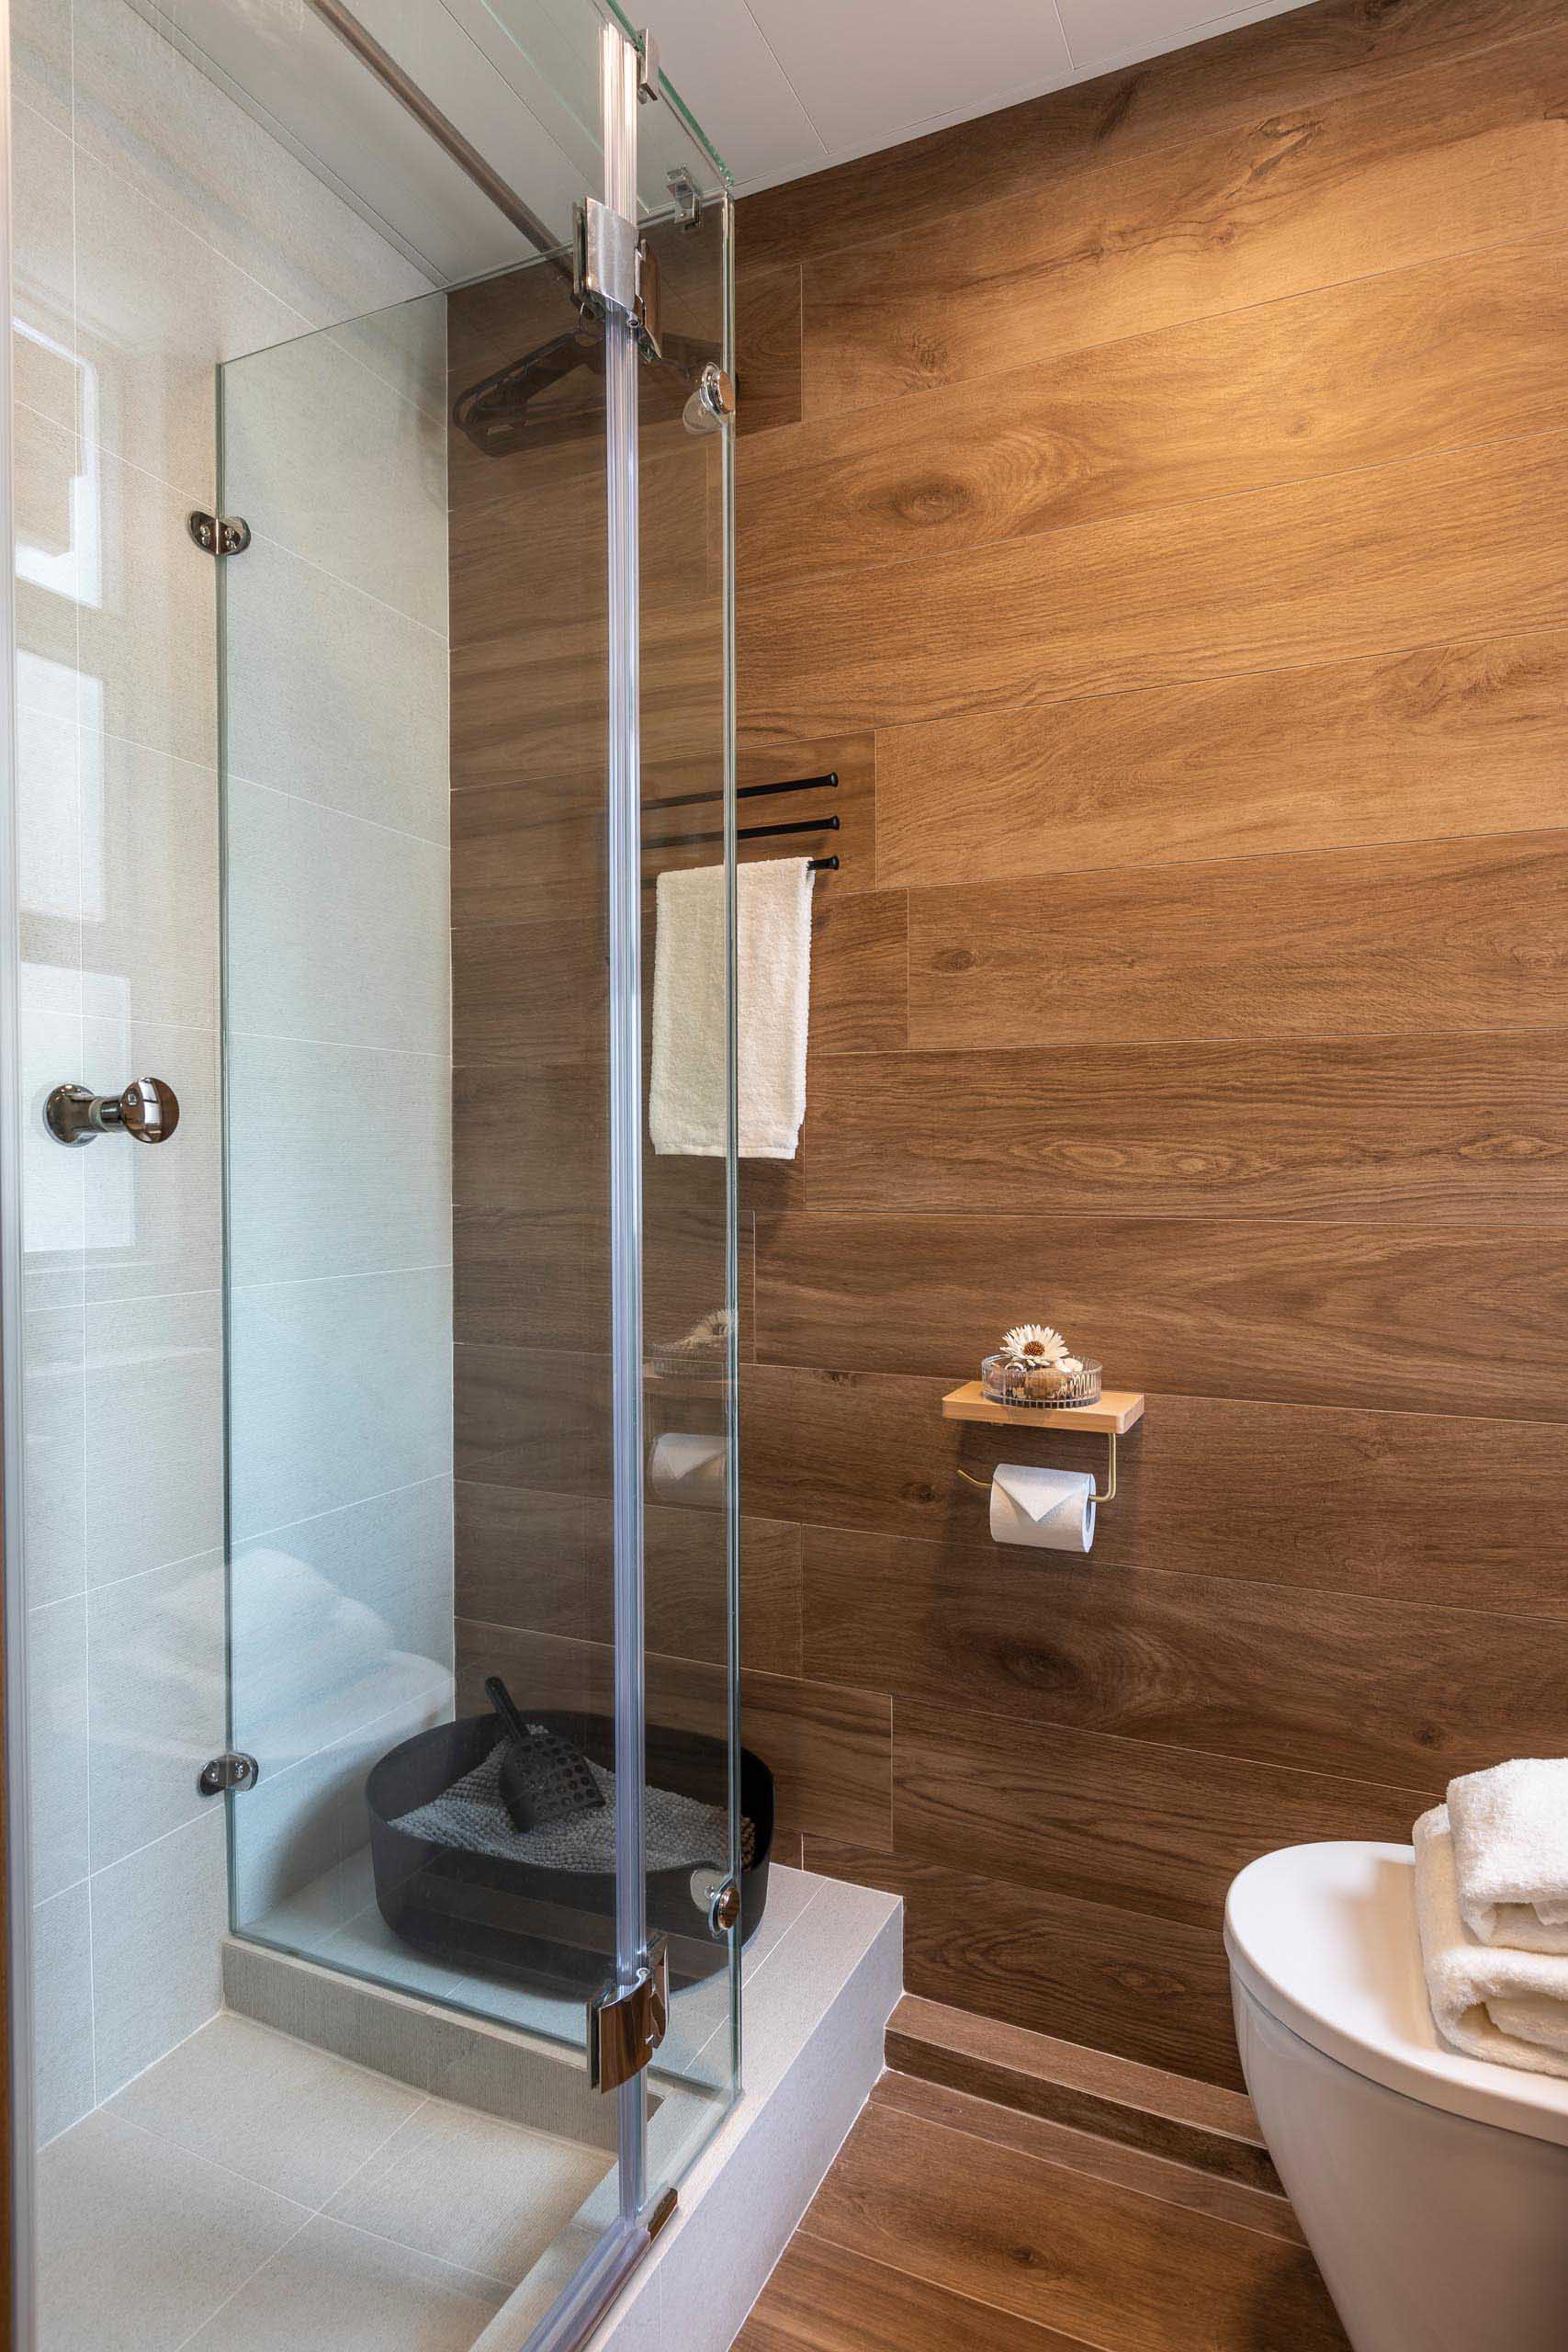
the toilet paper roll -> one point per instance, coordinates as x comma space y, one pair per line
1050, 1510
687, 1467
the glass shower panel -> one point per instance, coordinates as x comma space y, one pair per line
417, 1186
690, 1293
432, 1264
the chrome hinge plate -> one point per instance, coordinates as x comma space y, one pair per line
647, 66
232, 1769
684, 196
616, 273
625, 2024
219, 533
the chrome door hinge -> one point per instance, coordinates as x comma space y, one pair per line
219, 533
684, 196
625, 2024
647, 67
232, 1769
615, 274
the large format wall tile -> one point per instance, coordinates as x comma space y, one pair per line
153, 1218
148, 615
339, 1160
1447, 544
158, 310
54, 1438
160, 229
325, 459
332, 695
339, 1619
43, 341
1256, 397
148, 883
49, 861
63, 2008
1367, 751
147, 110
1254, 1308
53, 1180
153, 1490
337, 928
1201, 600
1467, 155
57, 1732
159, 1919
156, 1707
342, 1390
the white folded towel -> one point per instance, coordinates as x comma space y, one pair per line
1510, 1834
1511, 2007
687, 1108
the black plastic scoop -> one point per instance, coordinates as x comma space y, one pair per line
542, 1777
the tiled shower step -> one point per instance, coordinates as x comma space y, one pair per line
1174, 2116
520, 2078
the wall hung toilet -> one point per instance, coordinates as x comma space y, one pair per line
1433, 2189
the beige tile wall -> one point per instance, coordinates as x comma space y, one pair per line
159, 232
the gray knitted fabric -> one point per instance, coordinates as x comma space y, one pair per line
678, 1832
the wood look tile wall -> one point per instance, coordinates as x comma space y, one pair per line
1154, 500
530, 1157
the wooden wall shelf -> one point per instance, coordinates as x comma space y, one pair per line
1113, 1415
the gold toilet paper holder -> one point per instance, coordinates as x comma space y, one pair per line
1112, 1416
1107, 1495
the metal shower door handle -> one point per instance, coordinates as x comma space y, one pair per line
149, 1111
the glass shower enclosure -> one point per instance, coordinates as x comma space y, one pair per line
490, 1831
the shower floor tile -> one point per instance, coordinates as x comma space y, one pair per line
294, 2120
190, 2210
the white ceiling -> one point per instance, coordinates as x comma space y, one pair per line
784, 88
781, 87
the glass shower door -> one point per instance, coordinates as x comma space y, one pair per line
469, 1305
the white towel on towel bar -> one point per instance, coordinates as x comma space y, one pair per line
1490, 2003
1510, 1834
687, 1107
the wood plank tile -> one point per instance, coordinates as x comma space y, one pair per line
1086, 2152
1157, 1829
1155, 1989
687, 1588
538, 1136
859, 973
1461, 544
1061, 2249
1259, 1310
1356, 753
1194, 2123
531, 1417
1462, 349
524, 1279
830, 1751
767, 346
1472, 154
529, 542
823, 2299
766, 755
1338, 1684
1335, 49
521, 1558
528, 992
1350, 1129
519, 855
1436, 936
1426, 1506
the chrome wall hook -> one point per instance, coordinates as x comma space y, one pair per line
148, 1111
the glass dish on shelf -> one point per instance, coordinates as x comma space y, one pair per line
1013, 1380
